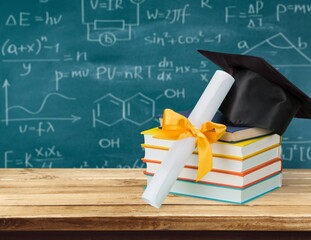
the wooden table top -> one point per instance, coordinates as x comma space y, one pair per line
109, 199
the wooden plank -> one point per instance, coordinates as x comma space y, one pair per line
40, 190
116, 196
173, 217
146, 211
50, 174
154, 235
109, 199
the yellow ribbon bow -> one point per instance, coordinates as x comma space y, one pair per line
176, 127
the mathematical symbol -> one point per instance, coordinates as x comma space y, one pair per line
168, 76
204, 77
207, 40
51, 151
187, 68
39, 152
22, 48
68, 58
165, 69
39, 19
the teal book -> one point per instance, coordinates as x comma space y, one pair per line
225, 194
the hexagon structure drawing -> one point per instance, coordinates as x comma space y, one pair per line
108, 110
139, 109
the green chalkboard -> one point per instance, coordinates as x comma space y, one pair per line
82, 78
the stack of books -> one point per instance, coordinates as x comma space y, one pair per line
246, 164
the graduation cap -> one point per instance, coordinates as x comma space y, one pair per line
261, 96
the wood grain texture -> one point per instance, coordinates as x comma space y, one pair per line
109, 200
155, 235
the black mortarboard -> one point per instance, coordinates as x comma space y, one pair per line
260, 96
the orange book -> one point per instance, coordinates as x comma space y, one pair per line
219, 163
226, 178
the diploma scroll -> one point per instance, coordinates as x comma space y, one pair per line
181, 150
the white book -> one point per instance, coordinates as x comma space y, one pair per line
231, 179
241, 150
226, 194
220, 163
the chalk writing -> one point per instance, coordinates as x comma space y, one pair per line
165, 38
81, 79
38, 157
176, 15
253, 16
283, 9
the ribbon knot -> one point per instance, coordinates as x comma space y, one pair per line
176, 127
195, 132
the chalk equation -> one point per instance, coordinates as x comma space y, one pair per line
37, 157
26, 19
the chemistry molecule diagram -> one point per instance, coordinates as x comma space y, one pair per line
138, 109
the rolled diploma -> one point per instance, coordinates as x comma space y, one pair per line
176, 158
